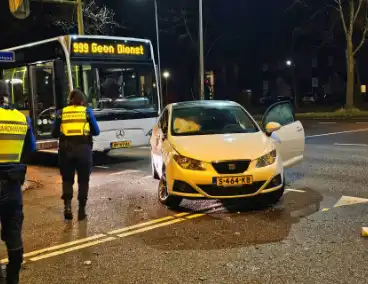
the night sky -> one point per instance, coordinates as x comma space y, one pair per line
245, 32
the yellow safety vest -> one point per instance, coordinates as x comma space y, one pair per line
74, 121
13, 130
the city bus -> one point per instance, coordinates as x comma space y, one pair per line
118, 75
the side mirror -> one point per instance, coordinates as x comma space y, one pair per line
272, 127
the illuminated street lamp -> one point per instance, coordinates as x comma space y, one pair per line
166, 75
289, 63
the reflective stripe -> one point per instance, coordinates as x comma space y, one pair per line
73, 131
12, 136
13, 122
74, 121
9, 157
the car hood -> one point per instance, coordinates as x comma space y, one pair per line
210, 148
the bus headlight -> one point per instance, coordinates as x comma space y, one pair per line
267, 160
188, 163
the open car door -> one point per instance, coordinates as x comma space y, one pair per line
290, 138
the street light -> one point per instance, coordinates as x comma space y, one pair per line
158, 52
201, 52
288, 62
166, 75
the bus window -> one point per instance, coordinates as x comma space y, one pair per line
17, 79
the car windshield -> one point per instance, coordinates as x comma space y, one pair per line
206, 120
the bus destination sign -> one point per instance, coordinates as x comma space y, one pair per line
110, 49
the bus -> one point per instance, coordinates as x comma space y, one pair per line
118, 75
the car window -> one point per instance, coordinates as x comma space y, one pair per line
281, 113
209, 119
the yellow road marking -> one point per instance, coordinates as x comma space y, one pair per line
37, 252
63, 251
149, 228
147, 223
98, 239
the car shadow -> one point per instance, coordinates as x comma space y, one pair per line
237, 224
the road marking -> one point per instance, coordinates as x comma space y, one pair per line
335, 133
327, 122
57, 247
63, 251
147, 223
350, 200
145, 229
102, 167
125, 172
295, 190
148, 177
358, 145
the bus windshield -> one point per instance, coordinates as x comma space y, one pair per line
117, 87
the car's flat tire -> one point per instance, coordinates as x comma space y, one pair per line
164, 197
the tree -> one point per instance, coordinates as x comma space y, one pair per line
352, 30
354, 19
97, 20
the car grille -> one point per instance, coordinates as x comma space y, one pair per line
215, 191
231, 167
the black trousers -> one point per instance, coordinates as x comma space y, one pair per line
11, 218
75, 159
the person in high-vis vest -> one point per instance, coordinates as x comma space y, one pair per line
16, 143
74, 126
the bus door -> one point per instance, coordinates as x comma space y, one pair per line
42, 79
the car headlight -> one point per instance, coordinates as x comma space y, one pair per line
267, 159
188, 163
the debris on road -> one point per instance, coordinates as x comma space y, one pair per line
365, 232
87, 262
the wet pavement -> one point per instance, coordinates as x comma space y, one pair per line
130, 238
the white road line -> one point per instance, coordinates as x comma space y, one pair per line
335, 133
63, 251
148, 177
357, 145
295, 190
125, 172
102, 167
327, 122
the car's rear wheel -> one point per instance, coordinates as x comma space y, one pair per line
163, 195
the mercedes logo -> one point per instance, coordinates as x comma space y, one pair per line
120, 134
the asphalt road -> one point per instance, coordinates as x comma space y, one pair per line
130, 238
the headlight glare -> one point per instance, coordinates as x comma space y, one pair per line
188, 163
267, 159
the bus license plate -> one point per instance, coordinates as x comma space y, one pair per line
121, 144
234, 181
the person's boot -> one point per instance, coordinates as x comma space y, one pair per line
82, 211
68, 213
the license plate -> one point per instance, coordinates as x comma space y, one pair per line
121, 144
233, 181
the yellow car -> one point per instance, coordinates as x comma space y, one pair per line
215, 149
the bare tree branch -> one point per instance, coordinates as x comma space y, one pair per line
341, 11
97, 20
358, 9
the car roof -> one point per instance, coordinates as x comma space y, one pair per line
187, 104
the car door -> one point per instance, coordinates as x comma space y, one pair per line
159, 133
290, 138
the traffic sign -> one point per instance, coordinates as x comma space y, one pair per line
7, 56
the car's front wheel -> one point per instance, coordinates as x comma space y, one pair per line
163, 194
